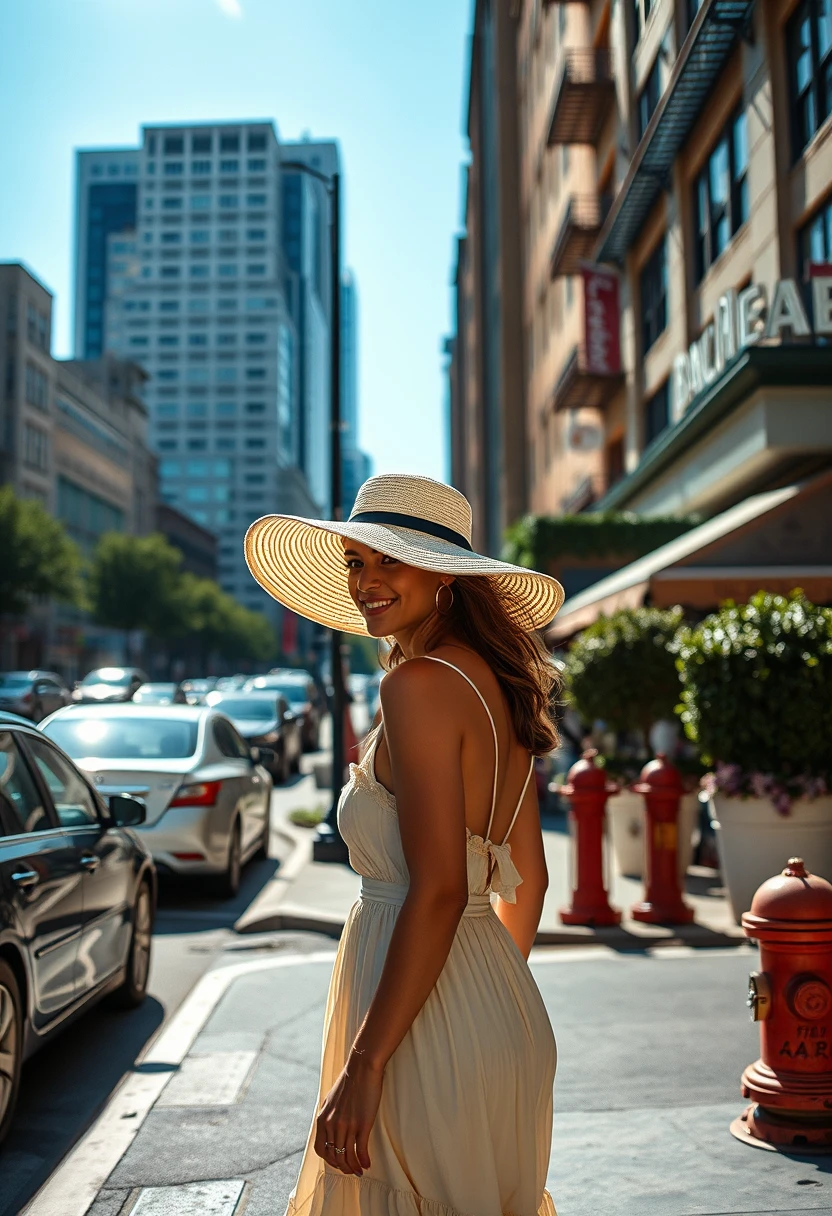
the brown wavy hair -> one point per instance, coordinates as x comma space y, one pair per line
486, 619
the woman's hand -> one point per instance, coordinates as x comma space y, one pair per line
347, 1117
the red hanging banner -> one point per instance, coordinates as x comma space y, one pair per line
602, 322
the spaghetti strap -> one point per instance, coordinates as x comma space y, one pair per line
520, 799
459, 670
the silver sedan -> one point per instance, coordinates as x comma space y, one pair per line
207, 794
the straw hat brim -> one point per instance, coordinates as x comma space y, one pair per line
300, 563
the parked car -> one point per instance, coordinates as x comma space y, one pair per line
160, 694
110, 684
305, 700
197, 690
207, 793
265, 720
226, 683
32, 694
77, 898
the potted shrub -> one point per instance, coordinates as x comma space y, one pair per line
621, 669
757, 700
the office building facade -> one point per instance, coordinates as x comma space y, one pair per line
196, 294
676, 201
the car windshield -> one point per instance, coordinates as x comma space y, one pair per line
14, 680
124, 738
292, 690
156, 688
261, 708
116, 676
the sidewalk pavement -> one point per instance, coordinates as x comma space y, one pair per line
317, 896
651, 1048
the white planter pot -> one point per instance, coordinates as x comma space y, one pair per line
755, 842
626, 815
626, 819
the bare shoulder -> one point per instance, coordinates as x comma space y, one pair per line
418, 681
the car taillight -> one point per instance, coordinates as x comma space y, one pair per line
201, 793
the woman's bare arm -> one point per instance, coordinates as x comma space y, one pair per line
422, 712
522, 919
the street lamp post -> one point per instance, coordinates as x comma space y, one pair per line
329, 844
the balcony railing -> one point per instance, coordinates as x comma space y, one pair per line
578, 232
584, 93
578, 386
716, 28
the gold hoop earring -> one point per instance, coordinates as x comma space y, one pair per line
446, 587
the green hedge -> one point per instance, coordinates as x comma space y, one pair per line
536, 541
621, 668
757, 687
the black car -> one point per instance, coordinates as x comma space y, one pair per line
305, 701
32, 694
109, 684
265, 720
77, 899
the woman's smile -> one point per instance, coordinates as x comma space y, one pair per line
375, 607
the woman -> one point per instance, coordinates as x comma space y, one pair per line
438, 1056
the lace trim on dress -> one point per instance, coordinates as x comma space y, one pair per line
396, 1202
364, 780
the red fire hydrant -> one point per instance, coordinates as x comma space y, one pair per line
790, 1086
661, 786
587, 791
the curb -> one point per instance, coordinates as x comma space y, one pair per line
73, 1186
262, 912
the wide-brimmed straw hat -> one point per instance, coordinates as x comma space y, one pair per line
417, 520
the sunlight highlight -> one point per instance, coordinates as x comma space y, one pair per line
231, 8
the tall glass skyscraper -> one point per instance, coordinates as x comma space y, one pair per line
186, 275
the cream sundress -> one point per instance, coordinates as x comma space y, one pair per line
465, 1122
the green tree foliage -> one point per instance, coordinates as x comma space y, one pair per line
757, 685
536, 541
220, 625
621, 668
37, 558
134, 583
137, 583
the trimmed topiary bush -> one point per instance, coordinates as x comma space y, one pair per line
621, 668
757, 696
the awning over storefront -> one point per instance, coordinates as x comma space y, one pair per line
776, 540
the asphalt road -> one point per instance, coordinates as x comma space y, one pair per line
67, 1083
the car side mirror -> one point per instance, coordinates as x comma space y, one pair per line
127, 811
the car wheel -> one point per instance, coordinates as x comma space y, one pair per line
11, 1046
134, 989
229, 881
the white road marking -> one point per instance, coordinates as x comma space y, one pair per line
191, 1199
72, 1188
212, 1079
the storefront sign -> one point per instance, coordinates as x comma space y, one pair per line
744, 318
602, 324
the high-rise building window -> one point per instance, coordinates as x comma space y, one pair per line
657, 413
37, 387
201, 143
653, 286
256, 165
35, 447
721, 193
229, 143
174, 145
809, 50
229, 166
200, 167
814, 241
173, 168
648, 98
256, 143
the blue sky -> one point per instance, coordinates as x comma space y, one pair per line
384, 77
